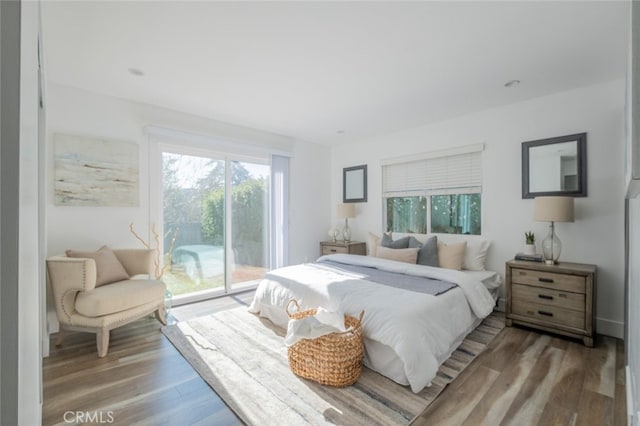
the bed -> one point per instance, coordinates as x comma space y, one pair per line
408, 333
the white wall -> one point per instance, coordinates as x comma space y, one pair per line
597, 234
79, 112
20, 264
31, 285
632, 342
310, 193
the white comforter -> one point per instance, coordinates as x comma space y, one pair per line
419, 328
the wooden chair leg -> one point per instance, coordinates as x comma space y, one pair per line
102, 339
161, 314
60, 337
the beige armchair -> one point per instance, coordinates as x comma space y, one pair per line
81, 305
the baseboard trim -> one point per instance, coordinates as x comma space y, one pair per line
632, 419
610, 328
45, 345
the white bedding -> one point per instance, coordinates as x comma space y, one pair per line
407, 334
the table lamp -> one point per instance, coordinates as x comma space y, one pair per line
552, 209
346, 211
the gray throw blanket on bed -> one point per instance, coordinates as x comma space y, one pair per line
406, 282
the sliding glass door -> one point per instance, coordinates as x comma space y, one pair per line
215, 222
249, 223
193, 255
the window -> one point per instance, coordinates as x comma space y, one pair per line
456, 214
438, 193
407, 214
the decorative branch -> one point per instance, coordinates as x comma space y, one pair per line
171, 245
158, 270
135, 234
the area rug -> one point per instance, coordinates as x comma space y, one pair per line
244, 359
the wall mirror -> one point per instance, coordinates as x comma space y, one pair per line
354, 184
555, 166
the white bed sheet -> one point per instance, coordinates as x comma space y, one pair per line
407, 334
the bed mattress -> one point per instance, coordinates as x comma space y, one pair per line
407, 334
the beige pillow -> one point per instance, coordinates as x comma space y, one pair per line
108, 267
373, 242
451, 255
408, 255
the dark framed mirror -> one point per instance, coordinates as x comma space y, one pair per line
354, 184
555, 166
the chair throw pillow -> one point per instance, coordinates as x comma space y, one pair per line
108, 267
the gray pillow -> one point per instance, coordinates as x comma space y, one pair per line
428, 253
402, 243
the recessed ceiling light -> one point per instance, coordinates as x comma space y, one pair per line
136, 72
512, 83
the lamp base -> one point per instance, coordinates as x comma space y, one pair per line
551, 246
346, 231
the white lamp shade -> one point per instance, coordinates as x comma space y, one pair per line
346, 211
553, 209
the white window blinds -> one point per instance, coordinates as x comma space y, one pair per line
440, 172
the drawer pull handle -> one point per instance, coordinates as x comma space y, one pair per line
547, 314
333, 250
545, 280
544, 296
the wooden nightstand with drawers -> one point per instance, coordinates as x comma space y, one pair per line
556, 298
351, 247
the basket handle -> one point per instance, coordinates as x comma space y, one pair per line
350, 331
289, 314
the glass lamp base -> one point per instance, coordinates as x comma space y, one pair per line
551, 247
346, 231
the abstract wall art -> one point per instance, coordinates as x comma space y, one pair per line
92, 171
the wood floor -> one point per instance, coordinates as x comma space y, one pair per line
523, 378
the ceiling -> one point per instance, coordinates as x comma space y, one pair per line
333, 72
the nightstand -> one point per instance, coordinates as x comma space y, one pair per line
351, 247
556, 298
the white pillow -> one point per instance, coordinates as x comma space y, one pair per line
408, 255
475, 254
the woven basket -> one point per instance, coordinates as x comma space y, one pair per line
334, 359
